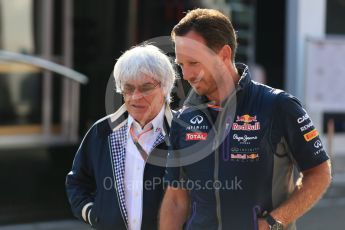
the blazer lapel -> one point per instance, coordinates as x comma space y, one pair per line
118, 140
166, 127
159, 140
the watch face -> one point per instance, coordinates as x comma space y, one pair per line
277, 226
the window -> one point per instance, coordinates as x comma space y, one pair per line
39, 103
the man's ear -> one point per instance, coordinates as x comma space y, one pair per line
225, 53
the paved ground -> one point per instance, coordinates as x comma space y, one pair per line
328, 214
53, 225
24, 203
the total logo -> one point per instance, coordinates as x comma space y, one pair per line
197, 120
318, 144
196, 136
247, 121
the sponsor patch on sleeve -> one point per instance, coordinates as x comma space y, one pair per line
311, 135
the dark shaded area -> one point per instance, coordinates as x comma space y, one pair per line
157, 18
28, 107
338, 120
270, 40
6, 107
33, 185
101, 32
31, 93
99, 38
335, 17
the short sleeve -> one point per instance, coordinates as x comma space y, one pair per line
300, 133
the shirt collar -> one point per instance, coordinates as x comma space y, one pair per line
245, 78
156, 123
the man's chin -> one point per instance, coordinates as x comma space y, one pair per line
199, 92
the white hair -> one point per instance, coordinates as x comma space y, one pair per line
148, 60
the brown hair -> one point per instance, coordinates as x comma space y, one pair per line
212, 25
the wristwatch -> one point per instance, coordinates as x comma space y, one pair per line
274, 224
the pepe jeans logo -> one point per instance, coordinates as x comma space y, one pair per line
196, 120
244, 139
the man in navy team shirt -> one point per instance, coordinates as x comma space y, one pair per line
236, 142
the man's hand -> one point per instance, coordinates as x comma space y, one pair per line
263, 225
314, 183
174, 209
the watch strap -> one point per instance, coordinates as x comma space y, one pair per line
270, 220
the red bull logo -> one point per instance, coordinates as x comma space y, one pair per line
247, 123
238, 156
246, 118
246, 127
250, 156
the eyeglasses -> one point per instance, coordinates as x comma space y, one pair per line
144, 89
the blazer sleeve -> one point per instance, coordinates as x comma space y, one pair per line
80, 181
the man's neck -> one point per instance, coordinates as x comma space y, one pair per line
225, 88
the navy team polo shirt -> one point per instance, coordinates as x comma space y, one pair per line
244, 154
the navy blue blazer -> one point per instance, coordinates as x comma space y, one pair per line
95, 185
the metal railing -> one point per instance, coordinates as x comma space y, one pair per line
44, 64
69, 107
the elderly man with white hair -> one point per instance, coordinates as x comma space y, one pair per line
116, 178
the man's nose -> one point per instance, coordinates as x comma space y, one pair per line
187, 73
191, 75
136, 94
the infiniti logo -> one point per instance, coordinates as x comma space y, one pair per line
317, 144
196, 120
